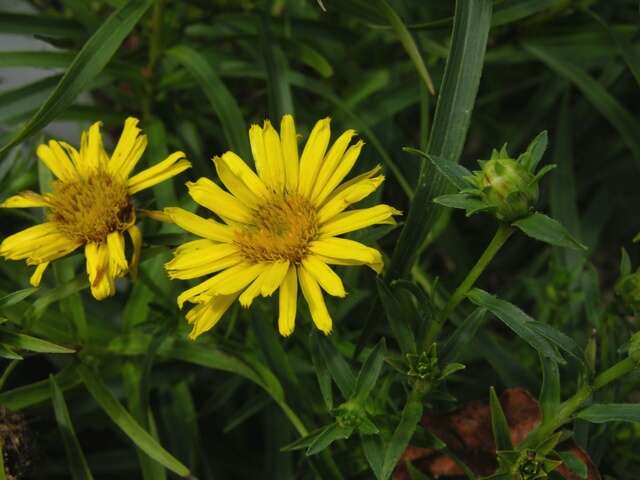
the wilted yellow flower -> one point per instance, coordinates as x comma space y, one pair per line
280, 227
90, 205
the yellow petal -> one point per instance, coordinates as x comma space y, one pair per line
251, 292
266, 283
69, 151
186, 267
118, 265
211, 196
37, 244
312, 156
37, 274
60, 165
340, 200
129, 149
342, 170
289, 152
256, 139
136, 240
275, 160
25, 199
232, 280
287, 302
357, 219
331, 161
326, 278
315, 300
204, 317
197, 252
169, 167
157, 215
273, 277
341, 251
239, 179
205, 228
101, 282
92, 151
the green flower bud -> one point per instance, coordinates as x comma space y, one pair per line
627, 289
349, 415
508, 187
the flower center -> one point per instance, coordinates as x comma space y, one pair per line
89, 209
280, 230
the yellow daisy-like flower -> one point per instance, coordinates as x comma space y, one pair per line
90, 204
281, 226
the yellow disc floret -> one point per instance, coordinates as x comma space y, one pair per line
88, 209
279, 230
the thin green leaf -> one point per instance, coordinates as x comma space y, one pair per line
6, 352
337, 365
322, 373
626, 124
33, 344
396, 315
16, 297
518, 321
535, 150
550, 390
28, 395
77, 463
611, 412
374, 452
411, 415
452, 171
574, 464
548, 230
221, 100
127, 424
499, 425
88, 63
462, 335
39, 24
329, 435
370, 371
406, 40
472, 20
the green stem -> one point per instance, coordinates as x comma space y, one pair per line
502, 234
569, 407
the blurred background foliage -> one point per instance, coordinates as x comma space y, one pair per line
198, 72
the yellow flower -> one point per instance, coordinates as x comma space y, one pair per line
90, 204
281, 226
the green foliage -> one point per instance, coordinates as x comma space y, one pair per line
437, 90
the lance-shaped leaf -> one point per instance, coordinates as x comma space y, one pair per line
516, 320
33, 344
398, 318
87, 64
409, 419
337, 365
548, 230
329, 435
611, 412
370, 371
77, 462
499, 425
127, 424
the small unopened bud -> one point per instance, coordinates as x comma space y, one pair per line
508, 187
627, 289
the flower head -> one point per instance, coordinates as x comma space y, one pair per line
280, 226
89, 205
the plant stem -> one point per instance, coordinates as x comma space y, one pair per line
502, 234
569, 407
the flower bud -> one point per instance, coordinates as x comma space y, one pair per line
627, 289
508, 187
